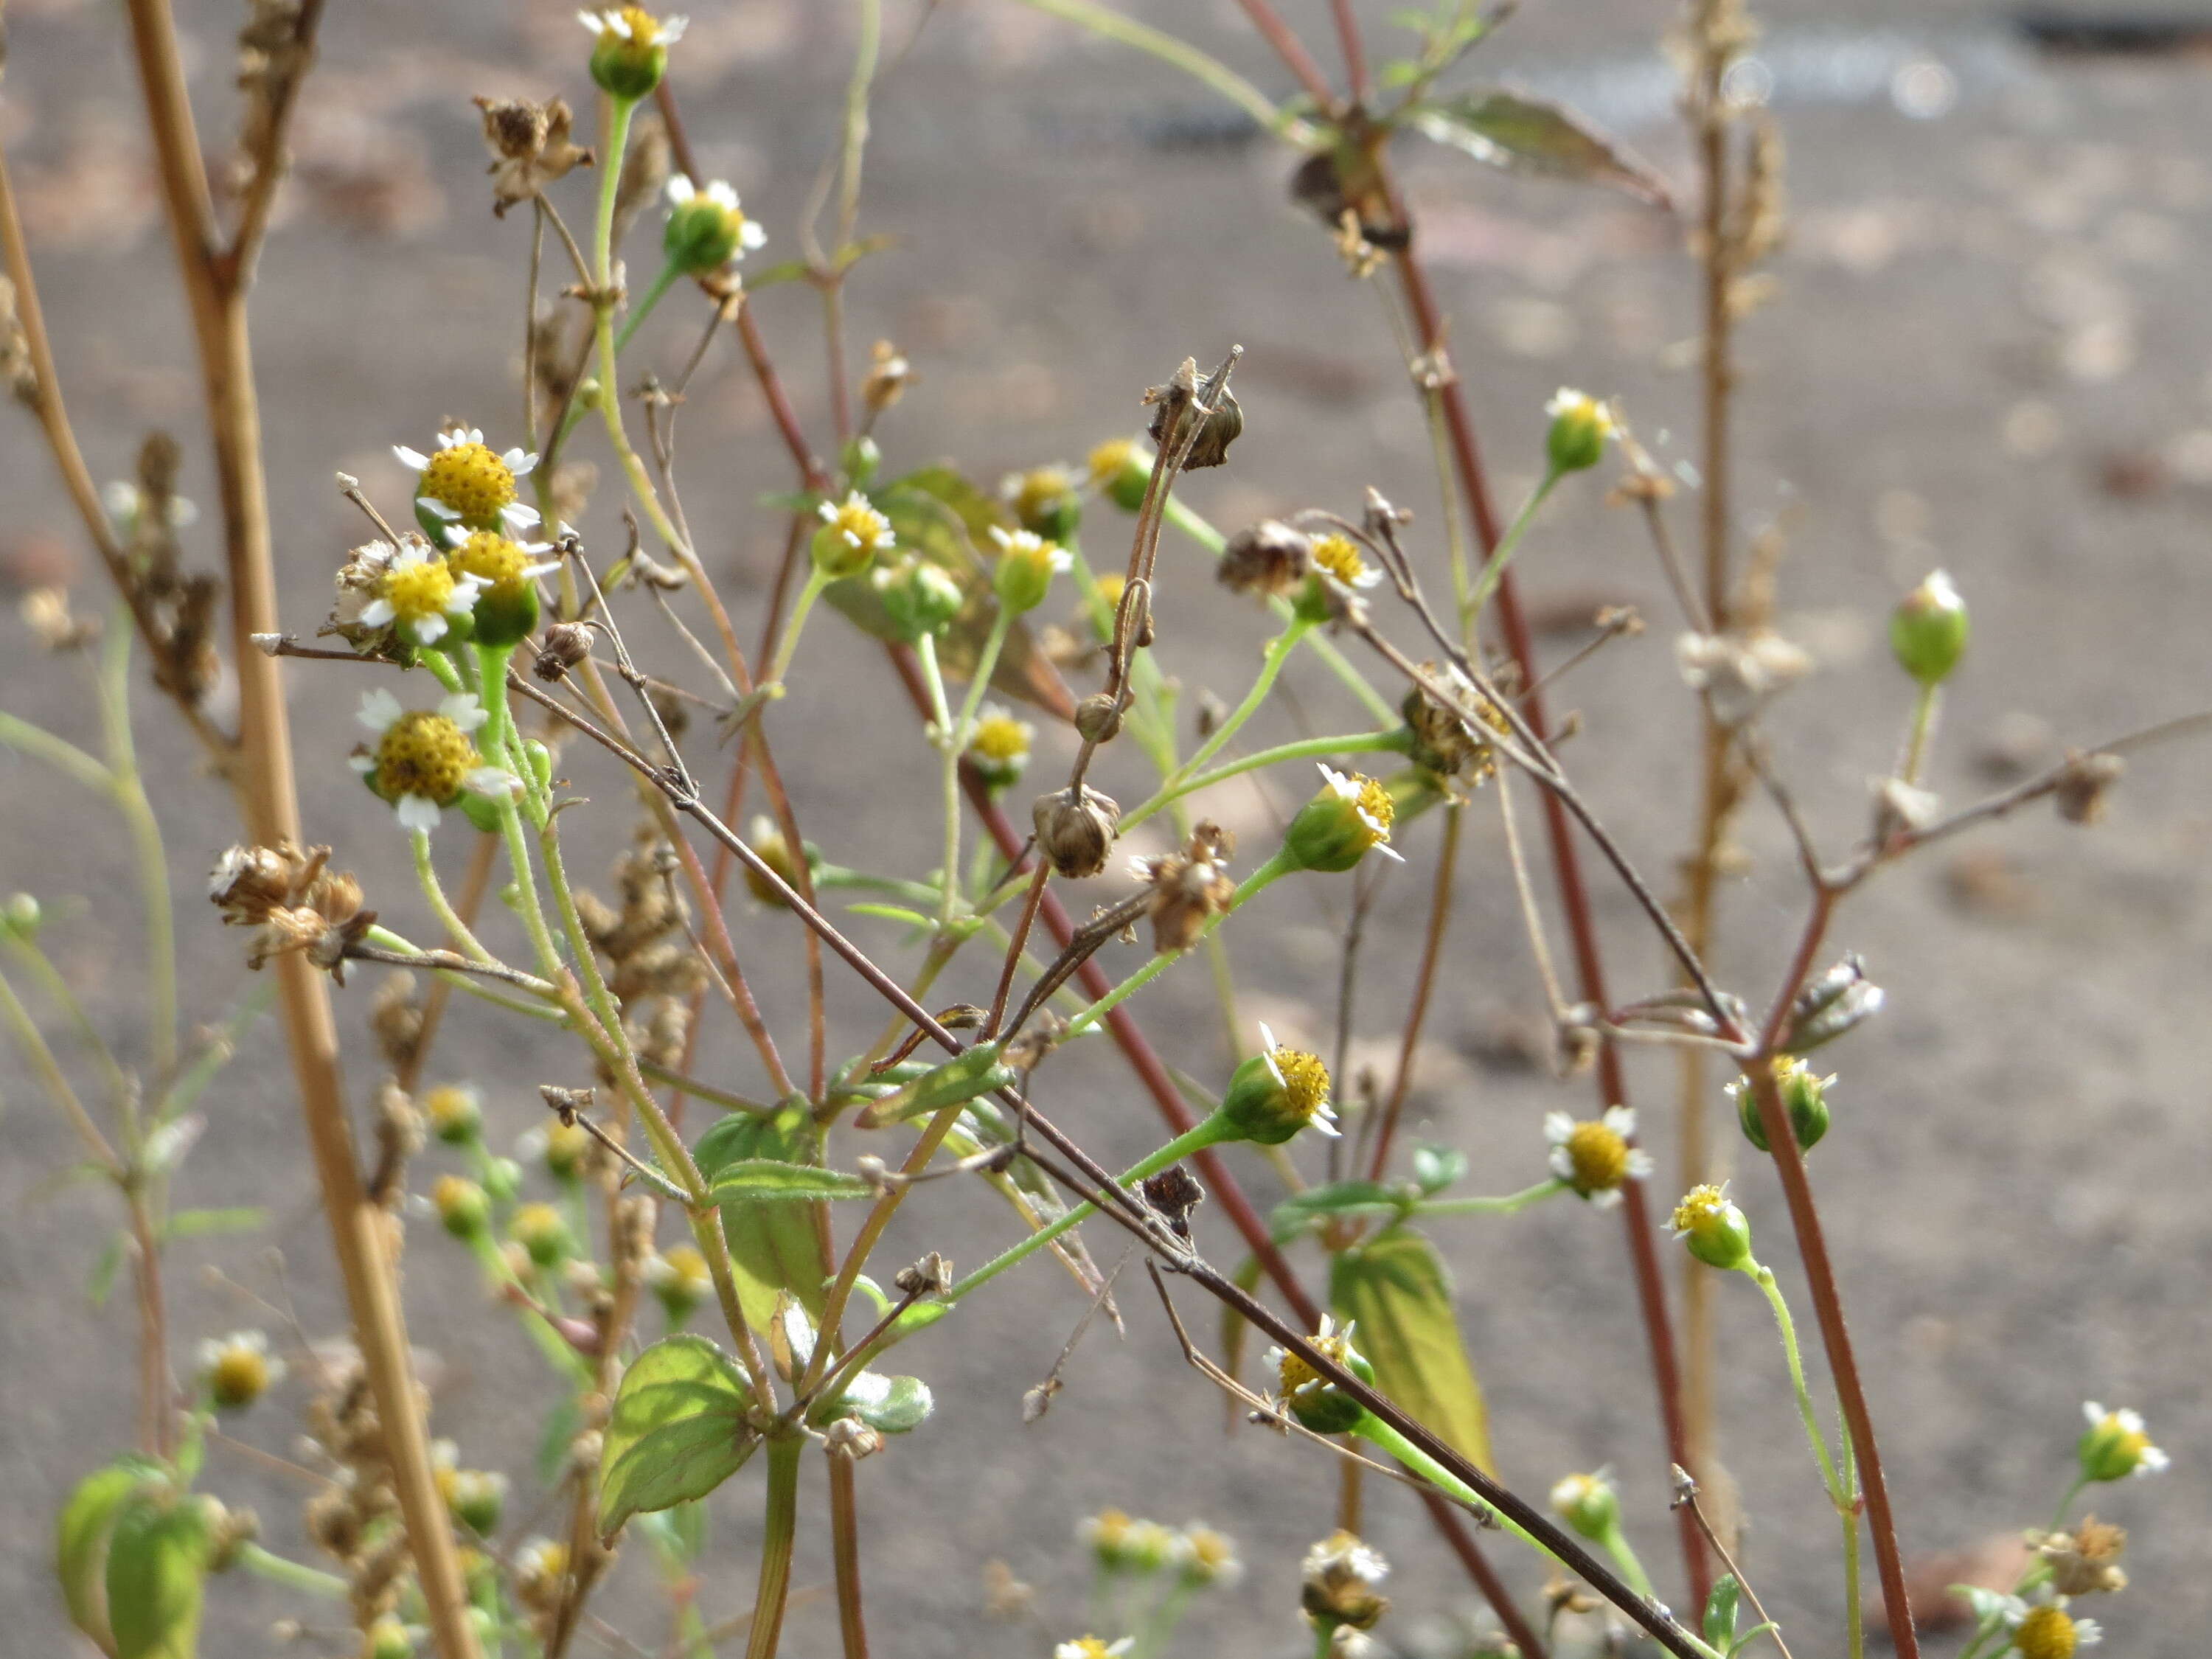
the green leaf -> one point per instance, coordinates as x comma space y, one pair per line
677, 1430
1435, 1167
1521, 134
1396, 1288
974, 1072
765, 1181
774, 1247
197, 1224
157, 1558
903, 1403
81, 1541
1348, 1198
102, 1281
1749, 1636
1720, 1613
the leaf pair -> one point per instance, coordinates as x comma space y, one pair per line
131, 1554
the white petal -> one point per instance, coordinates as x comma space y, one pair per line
1267, 1037
456, 534
1388, 851
1323, 1126
1640, 1166
1622, 1119
680, 188
671, 29
378, 709
1557, 1126
438, 509
2131, 1419
413, 459
418, 813
377, 613
519, 516
753, 235
428, 631
520, 462
493, 783
412, 552
362, 762
531, 572
2153, 1461
619, 24
2094, 1411
463, 709
1561, 1164
828, 513
590, 20
721, 195
1606, 1200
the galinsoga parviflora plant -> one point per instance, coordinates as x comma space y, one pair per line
695, 1259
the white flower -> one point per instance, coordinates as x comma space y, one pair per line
1324, 1116
1346, 788
682, 192
1029, 544
1736, 673
494, 482
857, 522
444, 750
125, 502
419, 593
1090, 1647
1342, 1557
2124, 1430
667, 30
1595, 1159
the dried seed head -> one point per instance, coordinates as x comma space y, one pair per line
931, 1276
1441, 741
849, 1437
1218, 427
1270, 558
1188, 887
293, 900
2085, 1561
1075, 829
567, 645
1099, 717
2085, 784
889, 375
530, 147
1338, 1584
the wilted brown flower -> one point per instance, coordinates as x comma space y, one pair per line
293, 902
889, 375
1188, 888
529, 145
1441, 740
2087, 1560
1269, 558
2085, 784
46, 611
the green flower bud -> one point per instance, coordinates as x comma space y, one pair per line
919, 597
1318, 1404
1580, 427
706, 230
1027, 564
2116, 1445
502, 1179
1589, 1503
543, 1233
1120, 469
1804, 1096
1717, 1232
1276, 1093
679, 1278
1334, 829
1045, 502
455, 1112
853, 532
1928, 631
567, 1146
632, 53
475, 1497
387, 1639
464, 1206
20, 916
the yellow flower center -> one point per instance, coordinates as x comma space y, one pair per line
1600, 1157
1701, 1206
862, 524
1001, 737
1110, 459
447, 1105
424, 754
565, 1146
1292, 1372
239, 1375
469, 477
1039, 491
498, 561
452, 1194
545, 1563
2130, 1444
1340, 555
537, 1224
1305, 1082
1376, 803
2046, 1634
419, 592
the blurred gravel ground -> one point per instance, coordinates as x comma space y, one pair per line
1990, 350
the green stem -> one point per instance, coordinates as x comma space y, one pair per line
1924, 728
1361, 743
1211, 1131
50, 980
670, 273
1375, 1430
1507, 1205
426, 876
57, 752
781, 1528
279, 1571
1493, 571
952, 740
18, 1019
1765, 1278
1109, 25
2058, 1520
1615, 1544
1324, 1641
1271, 665
130, 791
1854, 1612
1273, 870
788, 645
615, 139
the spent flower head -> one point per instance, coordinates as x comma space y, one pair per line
2117, 1445
1594, 1156
1338, 1583
1349, 817
2086, 1559
238, 1369
422, 761
465, 483
1189, 888
706, 230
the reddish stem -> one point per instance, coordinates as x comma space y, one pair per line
1291, 51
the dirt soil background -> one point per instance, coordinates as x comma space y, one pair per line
1989, 350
